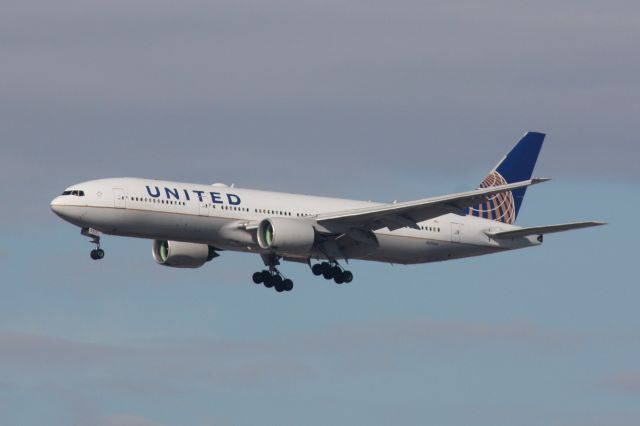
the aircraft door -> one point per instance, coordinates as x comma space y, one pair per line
456, 232
119, 199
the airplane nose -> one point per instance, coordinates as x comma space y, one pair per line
56, 206
65, 210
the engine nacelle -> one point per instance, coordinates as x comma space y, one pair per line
286, 235
182, 255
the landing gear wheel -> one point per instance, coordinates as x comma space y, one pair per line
317, 269
336, 271
277, 281
268, 280
97, 254
339, 278
257, 278
347, 276
287, 285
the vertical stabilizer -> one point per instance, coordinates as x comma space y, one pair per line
516, 166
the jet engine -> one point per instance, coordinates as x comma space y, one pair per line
182, 255
286, 235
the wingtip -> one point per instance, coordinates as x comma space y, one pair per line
539, 180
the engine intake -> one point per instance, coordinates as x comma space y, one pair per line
286, 235
182, 255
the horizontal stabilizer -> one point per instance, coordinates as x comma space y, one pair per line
549, 229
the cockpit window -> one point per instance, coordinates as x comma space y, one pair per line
77, 193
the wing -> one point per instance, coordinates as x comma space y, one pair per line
408, 214
539, 230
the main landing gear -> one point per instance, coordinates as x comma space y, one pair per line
97, 253
273, 278
332, 270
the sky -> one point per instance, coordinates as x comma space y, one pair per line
367, 100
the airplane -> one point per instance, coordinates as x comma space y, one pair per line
191, 223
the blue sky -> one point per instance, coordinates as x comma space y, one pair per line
368, 101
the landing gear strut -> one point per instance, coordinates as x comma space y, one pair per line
97, 253
332, 270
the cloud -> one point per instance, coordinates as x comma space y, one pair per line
442, 331
174, 364
34, 349
299, 85
85, 375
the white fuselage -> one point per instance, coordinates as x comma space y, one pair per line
218, 215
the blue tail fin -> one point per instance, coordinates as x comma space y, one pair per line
516, 166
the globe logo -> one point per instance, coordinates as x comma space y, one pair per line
500, 207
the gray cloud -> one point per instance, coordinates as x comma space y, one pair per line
38, 350
291, 357
84, 376
301, 88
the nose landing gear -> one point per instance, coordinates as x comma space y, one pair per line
332, 270
97, 253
